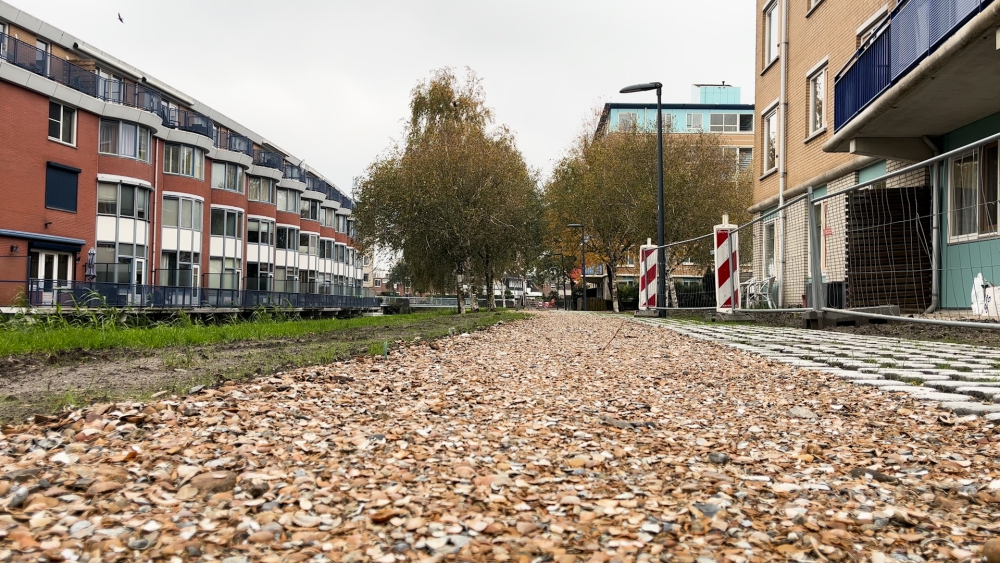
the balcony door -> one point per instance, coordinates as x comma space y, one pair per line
50, 271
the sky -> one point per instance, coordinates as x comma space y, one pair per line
330, 80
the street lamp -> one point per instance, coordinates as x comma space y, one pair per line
583, 270
661, 276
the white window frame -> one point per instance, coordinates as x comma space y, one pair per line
197, 168
978, 156
771, 35
140, 134
773, 225
633, 117
766, 119
690, 122
62, 120
724, 128
812, 78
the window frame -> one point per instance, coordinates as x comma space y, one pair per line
771, 33
237, 222
701, 121
261, 181
197, 161
141, 132
980, 163
62, 123
766, 117
812, 80
119, 189
49, 198
237, 177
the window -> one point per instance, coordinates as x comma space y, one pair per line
769, 249
309, 209
746, 123
287, 238
974, 191
288, 200
184, 160
62, 123
260, 231
873, 26
226, 176
723, 122
745, 158
61, 187
627, 120
771, 33
125, 139
771, 140
261, 189
182, 212
308, 244
123, 200
817, 101
224, 272
694, 121
42, 57
227, 223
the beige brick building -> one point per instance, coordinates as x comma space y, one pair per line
847, 91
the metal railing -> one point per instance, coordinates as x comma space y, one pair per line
187, 120
49, 293
233, 142
292, 172
913, 30
39, 61
316, 184
268, 159
128, 94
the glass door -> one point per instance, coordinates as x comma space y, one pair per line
51, 274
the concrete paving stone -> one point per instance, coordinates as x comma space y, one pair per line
855, 376
968, 407
933, 395
912, 375
985, 393
993, 416
901, 388
969, 376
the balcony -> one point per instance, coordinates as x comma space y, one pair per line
346, 202
929, 99
187, 120
315, 184
233, 142
293, 172
268, 159
40, 62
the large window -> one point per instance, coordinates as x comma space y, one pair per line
184, 160
122, 138
260, 231
179, 268
308, 244
226, 176
973, 193
227, 223
182, 212
309, 209
817, 101
730, 122
288, 200
627, 120
62, 123
287, 238
772, 33
771, 140
61, 187
261, 189
326, 248
123, 200
769, 249
694, 121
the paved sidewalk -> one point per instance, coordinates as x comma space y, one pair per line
965, 379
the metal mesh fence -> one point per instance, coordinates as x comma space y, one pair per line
690, 274
777, 246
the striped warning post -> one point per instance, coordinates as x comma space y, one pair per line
727, 265
647, 277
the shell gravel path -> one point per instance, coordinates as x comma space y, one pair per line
566, 437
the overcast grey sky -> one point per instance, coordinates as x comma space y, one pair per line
330, 81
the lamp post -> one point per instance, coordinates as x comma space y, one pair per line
583, 261
661, 260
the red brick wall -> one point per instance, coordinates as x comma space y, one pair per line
287, 218
130, 167
24, 150
262, 209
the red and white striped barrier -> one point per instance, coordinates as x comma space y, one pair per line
727, 266
647, 276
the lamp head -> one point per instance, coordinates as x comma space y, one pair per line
641, 87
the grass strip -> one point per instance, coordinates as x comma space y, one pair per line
30, 339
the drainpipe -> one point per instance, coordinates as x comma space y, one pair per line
935, 231
783, 156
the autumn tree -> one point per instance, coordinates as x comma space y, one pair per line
608, 184
456, 199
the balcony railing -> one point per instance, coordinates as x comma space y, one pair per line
128, 94
913, 30
346, 202
187, 120
29, 57
315, 184
233, 142
293, 172
268, 159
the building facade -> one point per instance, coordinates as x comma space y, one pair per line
117, 182
850, 91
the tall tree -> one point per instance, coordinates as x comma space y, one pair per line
451, 199
608, 184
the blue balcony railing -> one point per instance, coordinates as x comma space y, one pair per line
233, 142
913, 30
293, 172
315, 184
346, 202
268, 159
187, 120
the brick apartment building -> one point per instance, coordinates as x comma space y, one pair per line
111, 179
848, 91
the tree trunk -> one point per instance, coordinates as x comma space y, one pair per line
491, 301
613, 280
460, 298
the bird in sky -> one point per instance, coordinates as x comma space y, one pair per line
120, 18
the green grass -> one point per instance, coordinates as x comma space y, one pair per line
27, 339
